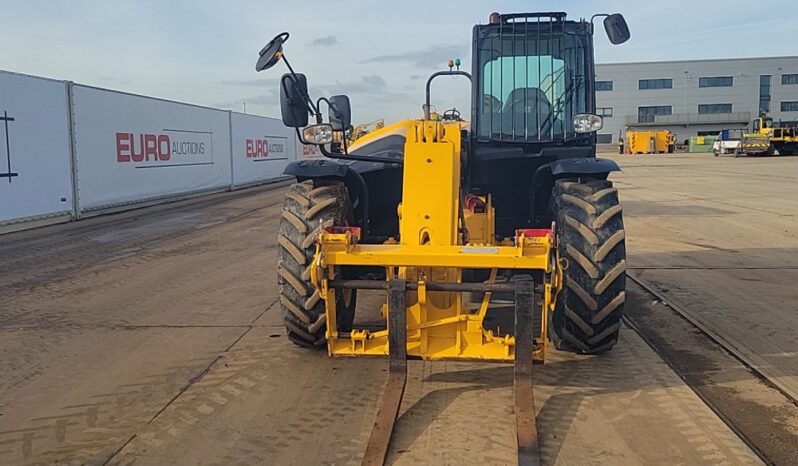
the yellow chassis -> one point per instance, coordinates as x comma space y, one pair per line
430, 254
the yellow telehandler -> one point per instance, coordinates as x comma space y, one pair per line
433, 210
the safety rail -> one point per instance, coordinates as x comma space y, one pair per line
688, 119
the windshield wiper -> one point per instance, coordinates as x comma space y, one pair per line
561, 103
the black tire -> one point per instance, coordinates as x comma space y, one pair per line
788, 149
591, 240
771, 151
307, 207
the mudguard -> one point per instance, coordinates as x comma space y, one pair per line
317, 168
544, 177
346, 172
582, 166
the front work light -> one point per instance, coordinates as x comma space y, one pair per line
587, 123
318, 134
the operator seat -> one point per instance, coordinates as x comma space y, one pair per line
532, 103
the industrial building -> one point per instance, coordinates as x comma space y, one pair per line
694, 97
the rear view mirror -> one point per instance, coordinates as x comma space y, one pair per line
293, 100
340, 112
271, 53
617, 29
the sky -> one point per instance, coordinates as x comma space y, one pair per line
377, 52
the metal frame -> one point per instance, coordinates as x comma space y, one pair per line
337, 247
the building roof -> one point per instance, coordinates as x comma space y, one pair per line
700, 60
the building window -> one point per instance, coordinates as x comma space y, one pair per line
789, 79
717, 81
764, 93
714, 108
655, 83
605, 112
603, 85
647, 114
789, 106
604, 138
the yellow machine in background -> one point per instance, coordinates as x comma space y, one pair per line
771, 138
364, 129
650, 142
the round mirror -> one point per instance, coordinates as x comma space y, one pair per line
271, 53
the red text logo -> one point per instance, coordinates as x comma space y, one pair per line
257, 148
260, 148
142, 147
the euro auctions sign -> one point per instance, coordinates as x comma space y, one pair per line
169, 146
262, 148
130, 148
273, 147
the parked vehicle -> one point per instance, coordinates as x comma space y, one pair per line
651, 142
729, 142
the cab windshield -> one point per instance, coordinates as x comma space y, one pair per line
766, 123
532, 82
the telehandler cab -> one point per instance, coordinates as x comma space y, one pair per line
440, 211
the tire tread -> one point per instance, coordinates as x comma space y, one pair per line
308, 207
591, 239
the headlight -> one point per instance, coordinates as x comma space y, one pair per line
318, 134
587, 123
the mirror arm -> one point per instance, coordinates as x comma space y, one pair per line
429, 82
592, 18
301, 139
337, 115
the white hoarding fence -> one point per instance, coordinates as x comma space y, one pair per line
261, 148
130, 149
306, 151
114, 150
35, 179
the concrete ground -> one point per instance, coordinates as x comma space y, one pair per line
153, 337
718, 236
715, 238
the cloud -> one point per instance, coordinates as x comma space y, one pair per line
432, 57
370, 84
115, 80
258, 82
329, 41
269, 99
367, 86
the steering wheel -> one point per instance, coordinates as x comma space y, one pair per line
272, 52
451, 115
